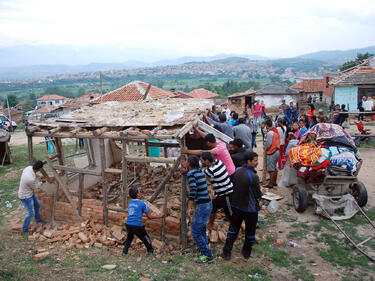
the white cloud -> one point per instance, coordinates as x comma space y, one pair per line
273, 28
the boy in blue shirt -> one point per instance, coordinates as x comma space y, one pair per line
134, 224
199, 196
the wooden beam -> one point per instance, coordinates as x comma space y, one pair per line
163, 229
147, 90
145, 159
62, 186
80, 192
146, 148
77, 170
30, 149
165, 180
88, 153
60, 151
92, 154
126, 131
104, 180
208, 129
184, 226
55, 192
122, 210
184, 130
154, 131
124, 186
99, 132
113, 171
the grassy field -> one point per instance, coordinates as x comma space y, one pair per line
323, 250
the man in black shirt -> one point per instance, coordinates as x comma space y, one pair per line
245, 206
237, 152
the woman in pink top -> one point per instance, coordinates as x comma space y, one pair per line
257, 114
217, 148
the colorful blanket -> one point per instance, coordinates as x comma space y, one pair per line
305, 154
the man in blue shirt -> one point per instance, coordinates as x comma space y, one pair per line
134, 226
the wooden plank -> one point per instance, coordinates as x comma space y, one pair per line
99, 132
146, 147
165, 180
62, 186
163, 230
184, 226
126, 131
30, 149
184, 130
147, 90
87, 148
208, 129
59, 150
163, 144
113, 171
104, 180
55, 191
124, 185
77, 170
145, 159
80, 192
92, 154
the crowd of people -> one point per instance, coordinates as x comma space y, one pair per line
231, 170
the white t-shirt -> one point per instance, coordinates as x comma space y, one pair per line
368, 105
28, 183
226, 112
282, 135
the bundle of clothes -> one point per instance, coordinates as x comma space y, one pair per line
324, 147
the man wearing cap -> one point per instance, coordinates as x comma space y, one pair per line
243, 132
237, 152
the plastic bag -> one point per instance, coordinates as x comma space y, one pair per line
273, 206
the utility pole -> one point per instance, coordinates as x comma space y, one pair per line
101, 87
10, 117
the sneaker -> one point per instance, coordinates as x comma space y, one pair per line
42, 222
204, 259
224, 256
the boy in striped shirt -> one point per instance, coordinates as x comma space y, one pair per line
199, 195
217, 173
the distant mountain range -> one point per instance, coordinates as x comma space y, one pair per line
32, 62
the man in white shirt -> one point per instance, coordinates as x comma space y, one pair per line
26, 194
225, 110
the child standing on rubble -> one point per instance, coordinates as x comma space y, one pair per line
199, 196
134, 225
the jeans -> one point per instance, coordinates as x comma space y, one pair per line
32, 207
199, 226
257, 120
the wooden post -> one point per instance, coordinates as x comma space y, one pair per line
264, 172
92, 154
146, 147
89, 159
124, 173
59, 150
184, 226
104, 180
163, 230
30, 149
80, 192
55, 192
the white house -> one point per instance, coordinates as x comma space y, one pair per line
51, 100
273, 94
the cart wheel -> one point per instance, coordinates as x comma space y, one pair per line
359, 192
299, 198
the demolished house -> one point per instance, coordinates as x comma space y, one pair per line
96, 188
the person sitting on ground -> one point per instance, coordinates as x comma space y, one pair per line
237, 152
134, 226
273, 152
222, 122
302, 128
243, 132
217, 148
245, 205
199, 196
28, 184
217, 173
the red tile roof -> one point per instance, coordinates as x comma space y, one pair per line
82, 100
182, 95
134, 91
310, 86
202, 93
52, 97
360, 75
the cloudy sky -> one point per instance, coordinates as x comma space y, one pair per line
277, 28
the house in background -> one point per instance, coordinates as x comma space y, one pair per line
51, 100
239, 101
134, 91
202, 93
272, 95
78, 102
352, 85
316, 90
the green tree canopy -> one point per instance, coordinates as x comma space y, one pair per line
12, 99
358, 60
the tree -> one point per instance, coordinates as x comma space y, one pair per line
358, 60
12, 99
29, 105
